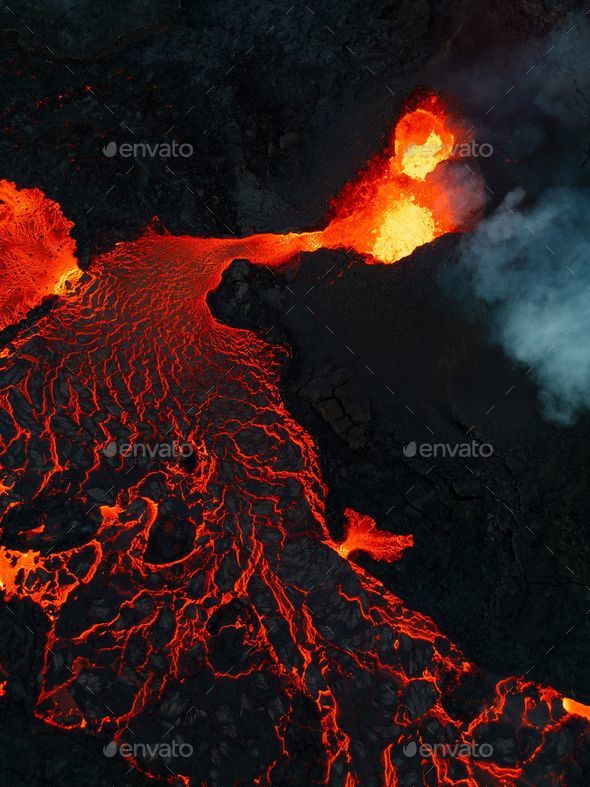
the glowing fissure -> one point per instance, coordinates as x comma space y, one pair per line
177, 579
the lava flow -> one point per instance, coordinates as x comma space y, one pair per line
37, 252
196, 597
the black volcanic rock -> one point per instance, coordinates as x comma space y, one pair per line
486, 563
282, 105
249, 297
86, 30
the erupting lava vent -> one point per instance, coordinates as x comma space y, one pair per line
202, 597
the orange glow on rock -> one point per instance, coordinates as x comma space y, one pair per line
361, 534
36, 250
12, 563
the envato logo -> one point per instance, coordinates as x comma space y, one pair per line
145, 150
471, 450
148, 751
173, 450
471, 749
435, 147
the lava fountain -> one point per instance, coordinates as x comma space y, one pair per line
413, 193
205, 600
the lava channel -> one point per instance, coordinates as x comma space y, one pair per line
199, 600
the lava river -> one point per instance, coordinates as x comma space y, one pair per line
196, 599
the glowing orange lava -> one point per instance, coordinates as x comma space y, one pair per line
423, 139
11, 565
37, 253
403, 200
256, 607
576, 708
362, 534
403, 228
411, 196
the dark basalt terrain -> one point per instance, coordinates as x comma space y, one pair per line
499, 557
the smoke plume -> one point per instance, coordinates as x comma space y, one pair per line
532, 266
529, 260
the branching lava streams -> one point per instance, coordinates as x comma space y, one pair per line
200, 597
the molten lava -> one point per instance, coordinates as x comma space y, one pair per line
362, 534
402, 229
37, 254
404, 200
576, 708
423, 139
205, 599
407, 198
11, 565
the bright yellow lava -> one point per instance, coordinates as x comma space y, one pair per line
571, 706
404, 227
70, 278
419, 160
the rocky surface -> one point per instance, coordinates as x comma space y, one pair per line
282, 104
499, 559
